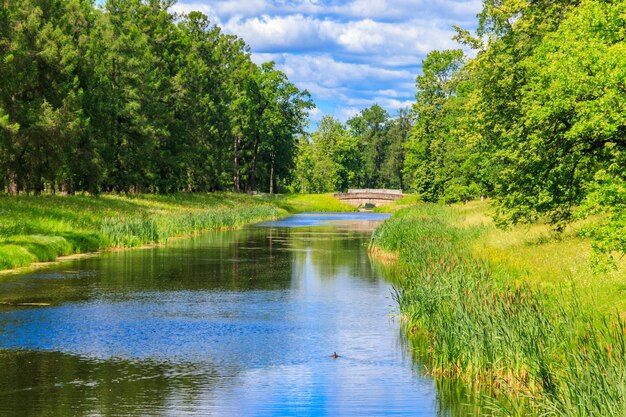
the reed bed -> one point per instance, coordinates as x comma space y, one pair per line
538, 354
41, 228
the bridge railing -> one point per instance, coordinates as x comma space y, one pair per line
375, 191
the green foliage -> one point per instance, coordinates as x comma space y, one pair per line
392, 169
606, 197
328, 162
368, 152
439, 163
370, 127
535, 120
129, 97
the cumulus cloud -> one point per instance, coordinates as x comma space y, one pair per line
278, 33
348, 54
367, 37
346, 113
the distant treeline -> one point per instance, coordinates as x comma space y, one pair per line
366, 152
130, 97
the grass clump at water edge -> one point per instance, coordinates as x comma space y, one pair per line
541, 355
41, 228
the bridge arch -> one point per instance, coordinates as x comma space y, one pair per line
374, 197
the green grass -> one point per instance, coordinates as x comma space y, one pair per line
535, 255
482, 321
300, 203
407, 200
41, 228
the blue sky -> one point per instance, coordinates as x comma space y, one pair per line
348, 54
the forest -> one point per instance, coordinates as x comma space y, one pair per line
365, 152
130, 97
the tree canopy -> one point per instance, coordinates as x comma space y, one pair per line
130, 97
368, 151
537, 119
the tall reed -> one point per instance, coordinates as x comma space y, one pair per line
43, 227
541, 356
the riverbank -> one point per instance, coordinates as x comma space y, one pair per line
299, 203
476, 304
36, 229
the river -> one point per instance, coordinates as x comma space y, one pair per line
228, 323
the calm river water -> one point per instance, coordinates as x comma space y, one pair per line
229, 323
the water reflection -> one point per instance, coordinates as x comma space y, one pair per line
229, 323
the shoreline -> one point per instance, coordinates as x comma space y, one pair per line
472, 320
110, 222
39, 265
91, 254
39, 231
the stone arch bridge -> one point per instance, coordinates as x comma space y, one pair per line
369, 197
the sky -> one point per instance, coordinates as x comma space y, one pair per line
348, 54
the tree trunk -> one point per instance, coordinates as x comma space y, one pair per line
189, 181
272, 173
39, 187
12, 182
66, 187
254, 158
236, 186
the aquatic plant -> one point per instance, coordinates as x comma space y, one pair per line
540, 354
41, 228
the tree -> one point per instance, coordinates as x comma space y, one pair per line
328, 162
370, 129
131, 107
431, 162
129, 97
398, 133
40, 45
286, 117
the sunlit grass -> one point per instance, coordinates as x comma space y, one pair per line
300, 203
406, 201
536, 255
474, 300
44, 227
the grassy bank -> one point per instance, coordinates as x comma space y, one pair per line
477, 312
41, 228
300, 203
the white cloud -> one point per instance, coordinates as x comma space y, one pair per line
413, 37
387, 93
348, 112
315, 114
197, 7
393, 104
351, 54
277, 33
403, 43
331, 73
